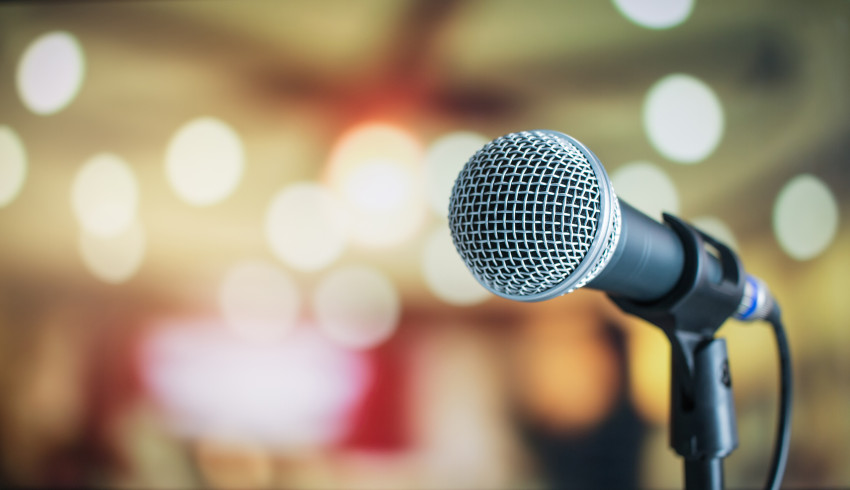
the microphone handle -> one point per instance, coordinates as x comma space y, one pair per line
648, 261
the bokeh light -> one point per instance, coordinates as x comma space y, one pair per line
116, 258
376, 171
683, 118
292, 394
51, 72
443, 162
805, 217
13, 165
306, 226
655, 14
717, 228
647, 188
357, 306
105, 195
569, 377
258, 300
649, 372
445, 273
204, 161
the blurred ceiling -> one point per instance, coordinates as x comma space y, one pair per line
294, 75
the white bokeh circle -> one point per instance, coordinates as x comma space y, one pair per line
113, 259
683, 118
306, 226
204, 161
105, 195
357, 306
51, 72
647, 188
13, 165
445, 273
444, 160
805, 217
656, 14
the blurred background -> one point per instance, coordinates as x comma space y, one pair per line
224, 256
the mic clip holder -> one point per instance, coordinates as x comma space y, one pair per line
703, 429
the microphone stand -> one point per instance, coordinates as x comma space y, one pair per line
703, 429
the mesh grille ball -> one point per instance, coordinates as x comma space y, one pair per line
533, 215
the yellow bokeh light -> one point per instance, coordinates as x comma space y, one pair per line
569, 373
13, 165
649, 371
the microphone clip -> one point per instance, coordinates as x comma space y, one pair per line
703, 429
700, 302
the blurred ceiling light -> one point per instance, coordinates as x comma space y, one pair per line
292, 394
377, 186
443, 162
445, 273
113, 259
204, 161
13, 165
306, 226
646, 187
683, 118
258, 300
718, 229
655, 14
376, 170
357, 306
805, 217
105, 195
51, 72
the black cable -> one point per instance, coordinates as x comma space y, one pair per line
783, 426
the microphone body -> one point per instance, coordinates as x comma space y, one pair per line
534, 216
647, 262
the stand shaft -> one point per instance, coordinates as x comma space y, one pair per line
704, 474
702, 414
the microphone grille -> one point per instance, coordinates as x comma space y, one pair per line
533, 215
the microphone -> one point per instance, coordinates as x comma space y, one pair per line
533, 215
